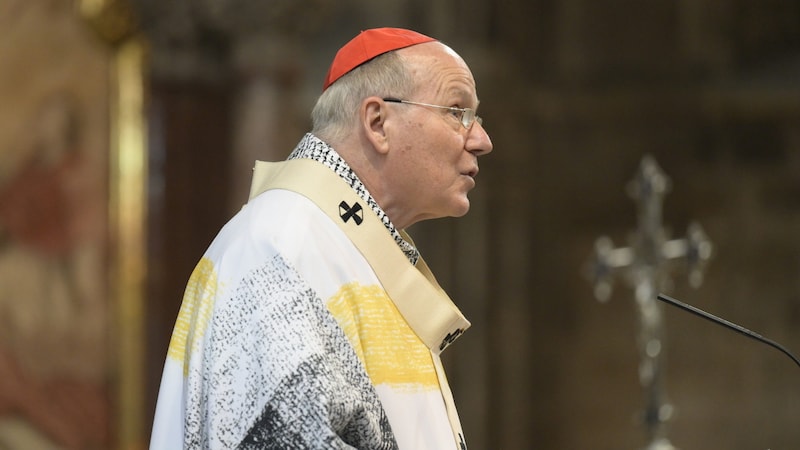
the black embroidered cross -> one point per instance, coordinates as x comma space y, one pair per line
346, 212
450, 338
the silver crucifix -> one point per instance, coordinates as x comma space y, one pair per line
645, 265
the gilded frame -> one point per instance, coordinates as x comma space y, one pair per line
128, 209
113, 20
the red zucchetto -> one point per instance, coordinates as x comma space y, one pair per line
369, 44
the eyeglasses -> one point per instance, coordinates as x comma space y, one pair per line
466, 116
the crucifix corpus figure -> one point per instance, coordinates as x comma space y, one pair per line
645, 265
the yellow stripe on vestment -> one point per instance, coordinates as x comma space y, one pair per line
195, 312
387, 346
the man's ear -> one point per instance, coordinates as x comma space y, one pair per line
373, 115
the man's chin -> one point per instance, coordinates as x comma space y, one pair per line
462, 209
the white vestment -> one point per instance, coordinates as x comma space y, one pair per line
304, 325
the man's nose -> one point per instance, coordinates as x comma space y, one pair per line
478, 141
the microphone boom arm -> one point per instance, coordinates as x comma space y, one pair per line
725, 323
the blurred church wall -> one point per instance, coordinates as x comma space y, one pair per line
574, 93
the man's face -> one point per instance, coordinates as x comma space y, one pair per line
433, 157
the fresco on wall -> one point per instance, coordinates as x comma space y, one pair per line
55, 334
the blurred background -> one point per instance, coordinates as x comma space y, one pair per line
129, 128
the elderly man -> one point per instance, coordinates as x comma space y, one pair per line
312, 321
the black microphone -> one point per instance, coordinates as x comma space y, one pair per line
725, 323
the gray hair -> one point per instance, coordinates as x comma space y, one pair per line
336, 110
